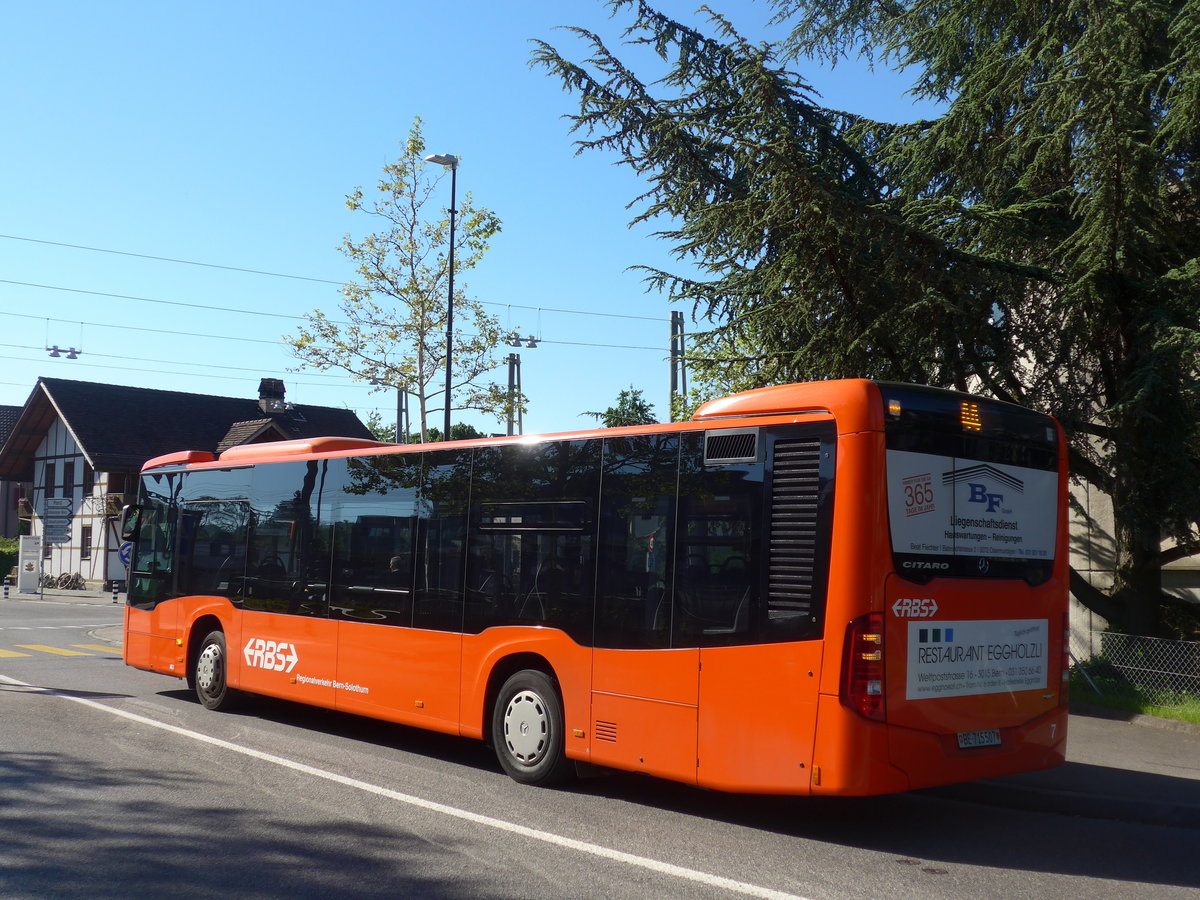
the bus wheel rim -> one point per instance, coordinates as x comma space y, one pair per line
526, 728
208, 669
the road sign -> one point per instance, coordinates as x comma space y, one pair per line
56, 523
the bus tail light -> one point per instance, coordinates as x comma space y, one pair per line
862, 667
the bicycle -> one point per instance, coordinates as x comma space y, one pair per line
69, 582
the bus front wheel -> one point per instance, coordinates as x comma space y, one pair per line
209, 673
527, 730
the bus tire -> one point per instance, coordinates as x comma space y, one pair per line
210, 671
528, 731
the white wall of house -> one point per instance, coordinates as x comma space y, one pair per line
1093, 555
88, 543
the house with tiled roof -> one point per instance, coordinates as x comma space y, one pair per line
79, 447
11, 492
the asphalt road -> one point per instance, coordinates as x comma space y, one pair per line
116, 783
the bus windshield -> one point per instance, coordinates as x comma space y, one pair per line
972, 486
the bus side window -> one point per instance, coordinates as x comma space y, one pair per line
153, 564
281, 534
714, 587
531, 558
633, 604
374, 504
212, 547
717, 549
441, 539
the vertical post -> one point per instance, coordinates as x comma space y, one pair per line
674, 361
114, 586
401, 416
520, 418
512, 386
676, 354
450, 302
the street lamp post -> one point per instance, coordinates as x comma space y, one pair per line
445, 159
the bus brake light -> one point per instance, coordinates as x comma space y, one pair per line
862, 672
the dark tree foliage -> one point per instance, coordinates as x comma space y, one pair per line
1039, 241
631, 409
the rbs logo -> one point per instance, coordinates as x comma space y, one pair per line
979, 494
276, 656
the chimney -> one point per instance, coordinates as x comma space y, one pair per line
270, 396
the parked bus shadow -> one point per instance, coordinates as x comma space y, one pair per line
989, 824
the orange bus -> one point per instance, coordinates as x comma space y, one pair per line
844, 587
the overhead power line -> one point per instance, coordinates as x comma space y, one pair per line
185, 262
249, 312
53, 287
191, 334
175, 362
190, 262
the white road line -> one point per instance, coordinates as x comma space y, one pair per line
55, 627
641, 862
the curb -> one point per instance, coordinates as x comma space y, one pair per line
1119, 715
79, 598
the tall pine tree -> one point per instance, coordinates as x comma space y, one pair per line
1040, 240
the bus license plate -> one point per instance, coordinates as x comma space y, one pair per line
969, 739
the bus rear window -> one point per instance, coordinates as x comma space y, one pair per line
972, 486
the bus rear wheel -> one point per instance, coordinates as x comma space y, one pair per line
208, 675
528, 732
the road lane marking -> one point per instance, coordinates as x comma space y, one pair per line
57, 627
547, 837
99, 648
12, 654
57, 651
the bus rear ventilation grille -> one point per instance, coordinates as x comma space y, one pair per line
728, 447
795, 487
606, 731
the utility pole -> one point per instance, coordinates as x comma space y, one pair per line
514, 391
678, 365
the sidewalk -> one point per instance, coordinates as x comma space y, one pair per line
91, 598
1119, 766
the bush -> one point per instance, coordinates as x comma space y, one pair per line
8, 554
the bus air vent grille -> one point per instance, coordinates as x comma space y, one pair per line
723, 448
795, 488
606, 731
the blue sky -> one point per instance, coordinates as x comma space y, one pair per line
229, 134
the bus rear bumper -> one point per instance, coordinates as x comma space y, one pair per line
934, 760
857, 757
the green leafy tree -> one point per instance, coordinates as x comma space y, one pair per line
1038, 241
459, 431
393, 327
384, 431
631, 409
